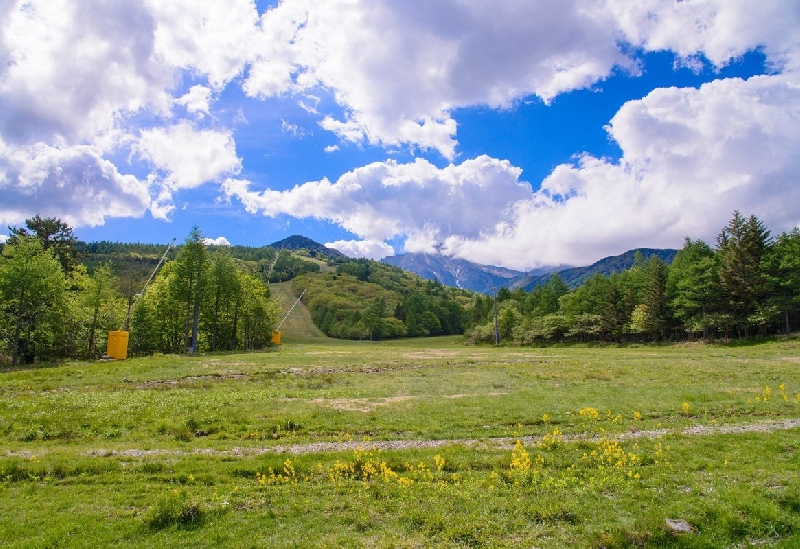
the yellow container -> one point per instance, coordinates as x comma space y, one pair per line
117, 345
276, 337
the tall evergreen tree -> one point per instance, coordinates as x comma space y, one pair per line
55, 235
741, 246
653, 306
190, 270
693, 287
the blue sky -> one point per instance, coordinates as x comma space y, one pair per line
515, 134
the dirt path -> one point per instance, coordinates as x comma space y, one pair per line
500, 442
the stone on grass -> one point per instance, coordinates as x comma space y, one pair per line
678, 526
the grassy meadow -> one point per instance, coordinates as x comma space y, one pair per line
414, 443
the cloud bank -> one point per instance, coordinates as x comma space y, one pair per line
114, 109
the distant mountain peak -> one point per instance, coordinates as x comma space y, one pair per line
451, 271
299, 242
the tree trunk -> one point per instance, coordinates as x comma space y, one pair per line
18, 329
195, 323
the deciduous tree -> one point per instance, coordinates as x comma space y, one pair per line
32, 299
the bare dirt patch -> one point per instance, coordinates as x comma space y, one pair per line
430, 355
190, 379
464, 395
365, 405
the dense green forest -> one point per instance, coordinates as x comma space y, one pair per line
747, 285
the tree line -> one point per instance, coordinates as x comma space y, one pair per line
748, 284
53, 307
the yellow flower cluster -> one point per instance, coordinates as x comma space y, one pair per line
590, 414
610, 456
551, 440
523, 467
520, 458
364, 467
766, 395
286, 476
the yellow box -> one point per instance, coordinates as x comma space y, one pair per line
276, 337
117, 345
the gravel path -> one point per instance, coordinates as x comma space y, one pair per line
499, 442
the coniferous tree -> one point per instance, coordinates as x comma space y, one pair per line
55, 235
651, 313
190, 271
741, 247
693, 287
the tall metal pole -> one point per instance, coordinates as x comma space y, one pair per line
140, 294
496, 326
290, 310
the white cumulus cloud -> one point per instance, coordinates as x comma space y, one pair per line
186, 158
74, 183
197, 100
372, 249
212, 38
219, 241
86, 84
71, 69
691, 157
387, 199
400, 68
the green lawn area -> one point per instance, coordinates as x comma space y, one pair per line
234, 449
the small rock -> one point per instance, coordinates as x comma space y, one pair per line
679, 526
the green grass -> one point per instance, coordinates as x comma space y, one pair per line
192, 451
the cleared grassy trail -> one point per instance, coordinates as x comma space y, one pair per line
298, 325
502, 443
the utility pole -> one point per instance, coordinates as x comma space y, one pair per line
496, 326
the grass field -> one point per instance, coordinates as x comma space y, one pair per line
418, 443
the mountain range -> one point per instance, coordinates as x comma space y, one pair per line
487, 278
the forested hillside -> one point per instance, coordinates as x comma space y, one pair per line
577, 276
366, 299
748, 284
